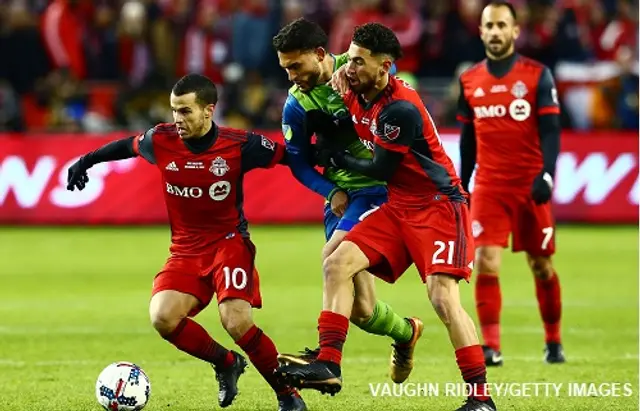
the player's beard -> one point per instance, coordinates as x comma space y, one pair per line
311, 81
502, 51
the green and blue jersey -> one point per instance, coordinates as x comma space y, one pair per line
298, 139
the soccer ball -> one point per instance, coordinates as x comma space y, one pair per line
123, 386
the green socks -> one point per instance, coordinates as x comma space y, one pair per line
384, 321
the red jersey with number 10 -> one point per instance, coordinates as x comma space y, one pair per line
203, 189
398, 121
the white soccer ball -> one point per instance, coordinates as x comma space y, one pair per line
123, 386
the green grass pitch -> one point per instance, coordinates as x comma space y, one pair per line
74, 300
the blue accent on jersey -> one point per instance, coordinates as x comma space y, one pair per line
298, 144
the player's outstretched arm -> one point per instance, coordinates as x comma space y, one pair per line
116, 150
299, 150
549, 129
129, 147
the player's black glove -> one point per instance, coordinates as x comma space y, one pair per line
77, 176
542, 188
329, 158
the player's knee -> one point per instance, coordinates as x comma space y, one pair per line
164, 320
236, 318
541, 267
332, 267
487, 261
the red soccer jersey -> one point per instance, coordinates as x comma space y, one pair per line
398, 121
504, 111
203, 188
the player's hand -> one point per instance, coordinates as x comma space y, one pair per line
339, 81
77, 176
329, 158
542, 188
339, 203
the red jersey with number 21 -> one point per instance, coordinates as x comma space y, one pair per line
426, 172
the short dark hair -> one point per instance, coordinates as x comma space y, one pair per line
300, 35
377, 38
205, 89
501, 3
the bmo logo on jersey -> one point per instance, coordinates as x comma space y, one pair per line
497, 110
519, 110
218, 191
184, 192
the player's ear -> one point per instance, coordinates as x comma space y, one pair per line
386, 66
208, 111
321, 53
516, 32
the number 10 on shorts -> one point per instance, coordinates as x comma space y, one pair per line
236, 278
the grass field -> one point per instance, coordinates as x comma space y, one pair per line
74, 300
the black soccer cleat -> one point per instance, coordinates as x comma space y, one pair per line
316, 376
472, 404
305, 357
554, 354
492, 358
291, 402
228, 379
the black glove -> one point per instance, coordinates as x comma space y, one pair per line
542, 187
77, 176
329, 158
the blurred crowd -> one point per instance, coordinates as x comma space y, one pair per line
100, 65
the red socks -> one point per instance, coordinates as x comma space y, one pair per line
471, 363
263, 354
549, 302
190, 337
488, 306
333, 333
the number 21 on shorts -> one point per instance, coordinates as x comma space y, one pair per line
236, 278
443, 247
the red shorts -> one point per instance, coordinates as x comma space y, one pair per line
437, 239
228, 272
495, 215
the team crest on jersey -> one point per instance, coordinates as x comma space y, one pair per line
268, 144
391, 132
519, 89
219, 167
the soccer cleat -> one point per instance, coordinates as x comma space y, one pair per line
492, 358
291, 402
306, 356
401, 362
472, 404
228, 379
315, 375
554, 354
